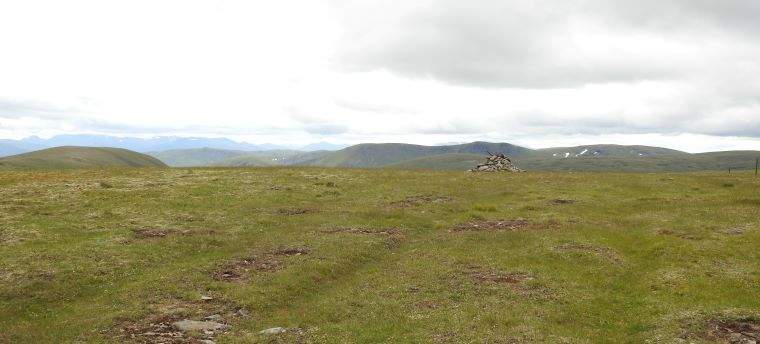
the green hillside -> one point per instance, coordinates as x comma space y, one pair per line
245, 161
714, 161
382, 154
78, 157
453, 161
196, 157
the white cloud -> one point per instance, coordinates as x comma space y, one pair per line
421, 71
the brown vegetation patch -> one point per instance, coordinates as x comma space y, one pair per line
678, 234
492, 225
148, 233
560, 201
600, 251
158, 327
729, 331
144, 233
295, 211
154, 329
735, 230
417, 200
240, 269
499, 277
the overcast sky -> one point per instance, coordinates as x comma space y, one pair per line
678, 73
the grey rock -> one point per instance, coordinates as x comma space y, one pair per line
496, 163
207, 341
213, 317
194, 325
273, 330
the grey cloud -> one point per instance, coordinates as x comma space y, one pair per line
528, 43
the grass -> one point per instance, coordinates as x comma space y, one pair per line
624, 258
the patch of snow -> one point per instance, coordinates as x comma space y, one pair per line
567, 155
555, 154
640, 154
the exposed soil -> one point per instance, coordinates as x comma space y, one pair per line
735, 331
494, 276
144, 233
239, 270
560, 201
677, 233
294, 211
734, 231
155, 329
413, 201
148, 233
158, 328
491, 225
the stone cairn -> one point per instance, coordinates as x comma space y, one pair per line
496, 163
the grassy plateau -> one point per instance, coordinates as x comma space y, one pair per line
378, 256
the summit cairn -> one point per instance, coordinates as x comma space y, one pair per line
496, 163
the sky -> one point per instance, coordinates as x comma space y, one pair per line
683, 74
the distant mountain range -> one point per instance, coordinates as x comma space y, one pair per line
155, 144
465, 156
439, 157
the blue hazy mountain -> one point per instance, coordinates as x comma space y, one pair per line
10, 147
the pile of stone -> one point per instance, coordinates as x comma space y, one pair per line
497, 163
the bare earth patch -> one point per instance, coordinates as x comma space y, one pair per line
728, 331
492, 225
495, 276
417, 200
239, 270
678, 234
560, 201
149, 233
182, 322
294, 211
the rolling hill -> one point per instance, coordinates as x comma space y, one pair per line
382, 154
607, 151
714, 161
466, 156
196, 156
78, 157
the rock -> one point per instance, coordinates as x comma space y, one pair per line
207, 341
213, 317
193, 325
206, 298
496, 163
273, 330
243, 312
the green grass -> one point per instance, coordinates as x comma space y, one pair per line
78, 157
636, 258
